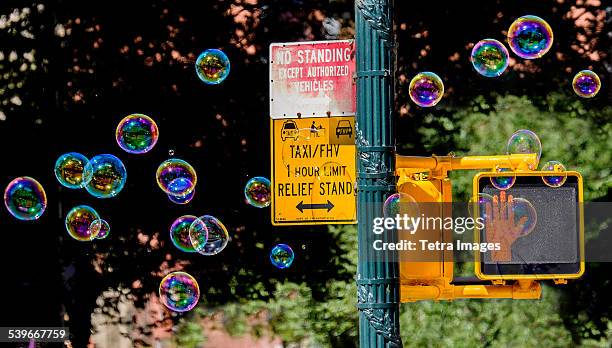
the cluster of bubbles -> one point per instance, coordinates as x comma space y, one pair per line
586, 84
281, 256
257, 192
205, 235
25, 198
212, 66
530, 37
426, 89
489, 57
179, 291
137, 134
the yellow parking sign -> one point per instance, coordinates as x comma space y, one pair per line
313, 171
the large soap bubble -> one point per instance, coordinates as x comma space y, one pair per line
257, 192
176, 177
525, 215
179, 233
25, 198
489, 57
208, 235
586, 84
426, 89
530, 37
179, 291
524, 141
100, 228
503, 182
71, 170
282, 256
556, 180
108, 176
137, 134
212, 66
402, 204
78, 222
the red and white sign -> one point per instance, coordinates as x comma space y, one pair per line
312, 79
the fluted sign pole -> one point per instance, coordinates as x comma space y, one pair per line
377, 275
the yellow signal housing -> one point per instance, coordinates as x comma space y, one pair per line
426, 179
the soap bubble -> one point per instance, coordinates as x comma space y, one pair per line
489, 57
212, 66
78, 222
426, 89
179, 233
208, 235
176, 177
185, 199
524, 141
402, 204
25, 198
503, 182
479, 204
70, 170
100, 228
530, 37
179, 291
257, 192
557, 180
137, 134
524, 212
282, 256
108, 176
586, 84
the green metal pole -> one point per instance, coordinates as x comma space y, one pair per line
377, 272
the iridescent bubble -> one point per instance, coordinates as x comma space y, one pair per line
179, 233
179, 291
212, 66
137, 133
524, 141
25, 198
426, 89
586, 84
489, 57
525, 215
70, 170
185, 199
176, 177
208, 235
78, 222
402, 204
554, 181
479, 204
108, 176
257, 192
282, 256
530, 37
100, 228
503, 182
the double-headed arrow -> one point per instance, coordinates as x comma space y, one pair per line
301, 206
